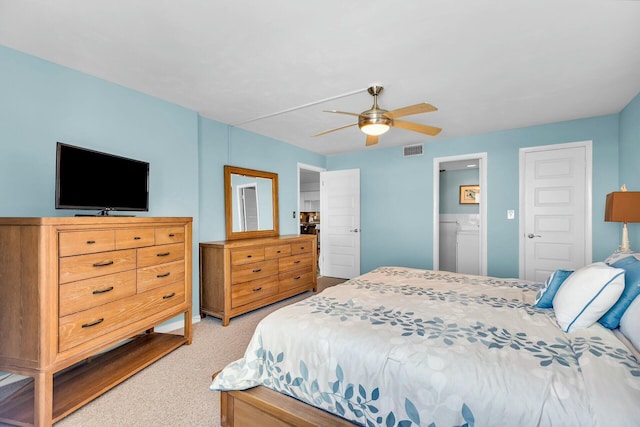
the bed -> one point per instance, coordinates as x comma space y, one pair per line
407, 347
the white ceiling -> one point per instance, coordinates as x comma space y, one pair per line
487, 65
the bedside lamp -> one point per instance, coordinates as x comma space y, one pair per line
623, 206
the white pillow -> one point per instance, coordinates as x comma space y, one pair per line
586, 295
630, 323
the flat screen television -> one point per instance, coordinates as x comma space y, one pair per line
91, 180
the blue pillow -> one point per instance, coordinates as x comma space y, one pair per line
544, 299
631, 266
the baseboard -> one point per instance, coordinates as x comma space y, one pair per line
174, 324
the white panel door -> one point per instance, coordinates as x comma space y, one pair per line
340, 231
556, 210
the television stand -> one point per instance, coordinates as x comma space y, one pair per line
98, 215
104, 212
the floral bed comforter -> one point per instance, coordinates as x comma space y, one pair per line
405, 347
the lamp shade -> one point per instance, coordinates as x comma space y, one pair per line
622, 206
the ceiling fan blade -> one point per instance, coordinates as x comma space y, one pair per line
371, 140
417, 127
412, 109
335, 129
342, 112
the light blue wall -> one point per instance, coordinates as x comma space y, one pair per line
226, 145
630, 161
213, 155
450, 182
394, 189
42, 103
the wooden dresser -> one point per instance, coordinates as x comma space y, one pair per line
237, 276
79, 298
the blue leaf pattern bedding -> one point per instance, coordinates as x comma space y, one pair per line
407, 347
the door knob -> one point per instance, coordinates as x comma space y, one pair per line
355, 230
531, 235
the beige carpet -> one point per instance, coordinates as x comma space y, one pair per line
175, 390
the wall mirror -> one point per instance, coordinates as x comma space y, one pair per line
251, 203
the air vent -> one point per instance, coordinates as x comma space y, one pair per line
412, 150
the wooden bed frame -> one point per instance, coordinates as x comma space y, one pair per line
240, 408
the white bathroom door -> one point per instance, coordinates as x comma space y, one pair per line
555, 212
340, 231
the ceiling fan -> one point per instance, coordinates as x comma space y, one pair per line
376, 121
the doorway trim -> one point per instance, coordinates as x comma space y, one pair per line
482, 172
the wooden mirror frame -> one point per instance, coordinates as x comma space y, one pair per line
228, 203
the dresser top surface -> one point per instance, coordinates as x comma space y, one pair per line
92, 220
259, 241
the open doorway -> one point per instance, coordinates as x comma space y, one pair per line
309, 202
460, 215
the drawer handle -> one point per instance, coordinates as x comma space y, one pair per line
249, 256
257, 289
297, 278
137, 238
278, 252
159, 276
172, 235
163, 254
257, 270
102, 291
296, 262
301, 247
171, 295
102, 264
91, 242
97, 322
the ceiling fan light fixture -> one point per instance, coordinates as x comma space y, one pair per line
374, 129
374, 125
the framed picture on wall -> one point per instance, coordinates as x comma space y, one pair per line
469, 194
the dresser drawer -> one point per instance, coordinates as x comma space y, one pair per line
257, 270
81, 327
134, 238
160, 275
295, 279
301, 248
247, 292
160, 254
81, 267
279, 251
246, 256
86, 242
295, 261
85, 294
167, 235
